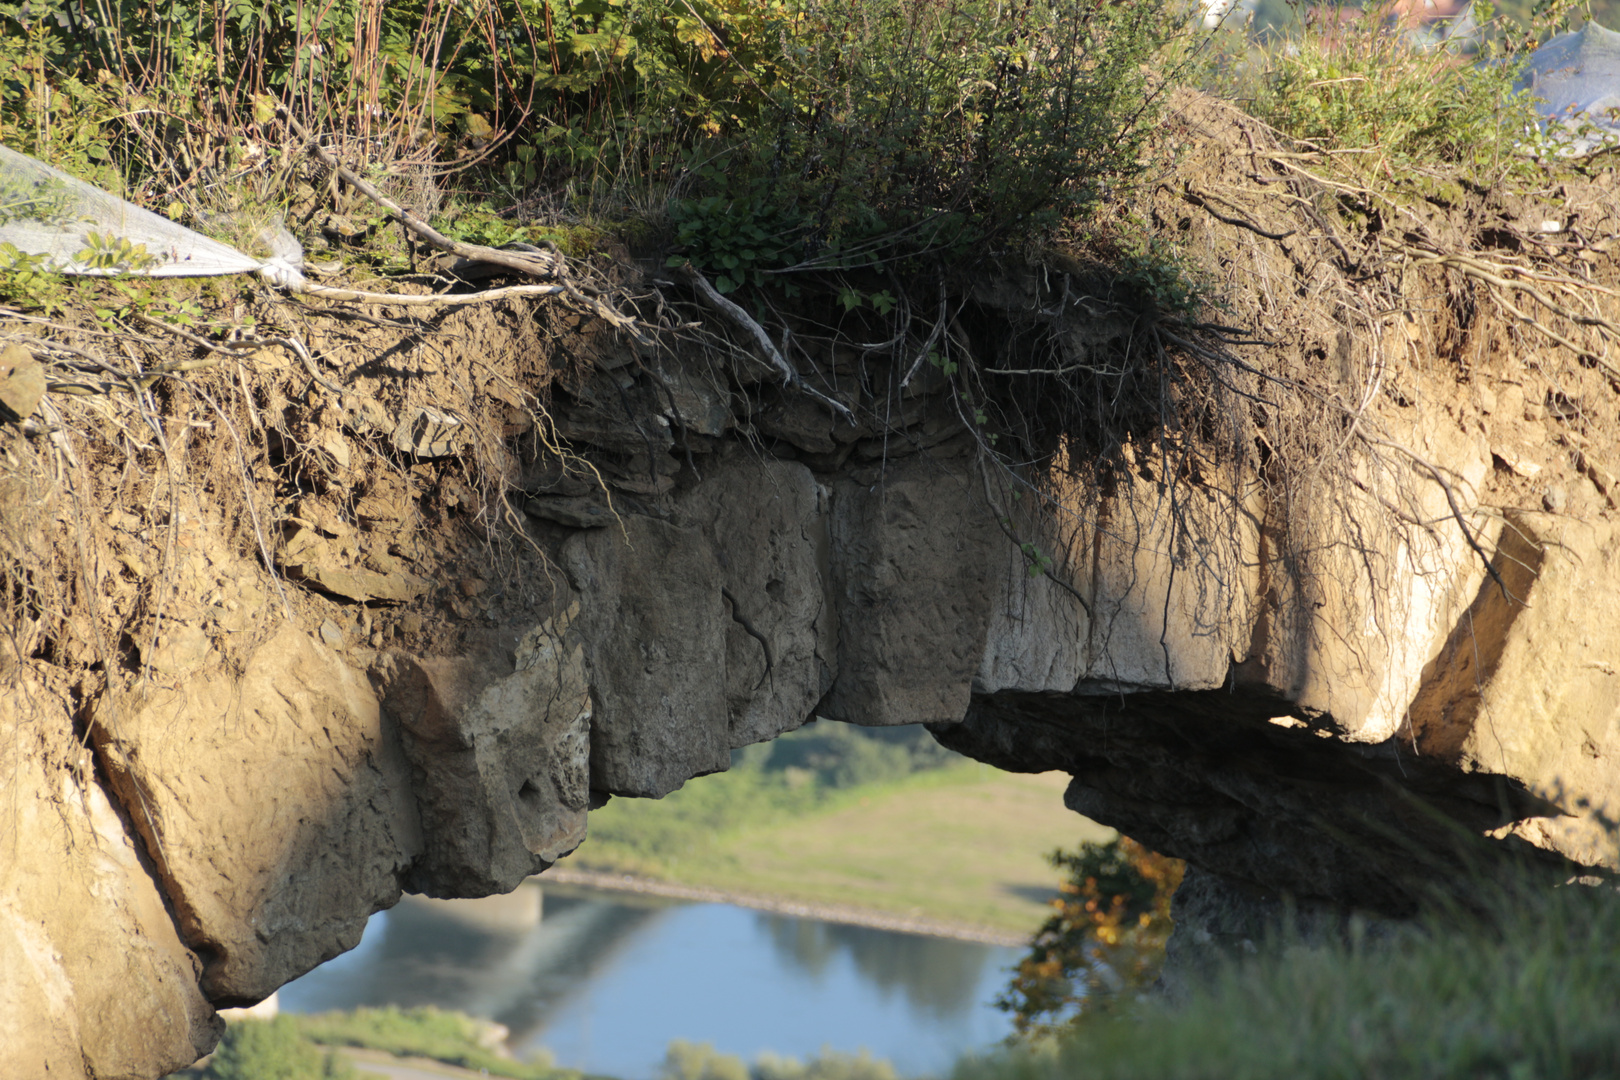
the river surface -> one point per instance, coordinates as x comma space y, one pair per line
605, 980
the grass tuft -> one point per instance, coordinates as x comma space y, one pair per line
1529, 991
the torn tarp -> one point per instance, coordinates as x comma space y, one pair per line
1576, 77
76, 228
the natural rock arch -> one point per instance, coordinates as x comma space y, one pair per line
1302, 681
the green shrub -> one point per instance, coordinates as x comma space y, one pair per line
700, 1061
273, 1050
827, 1065
1527, 992
902, 129
1366, 90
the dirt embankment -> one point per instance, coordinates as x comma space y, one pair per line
387, 601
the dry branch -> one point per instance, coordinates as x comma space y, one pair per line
790, 376
546, 264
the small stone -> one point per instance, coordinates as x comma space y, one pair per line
1556, 499
303, 543
320, 517
1518, 463
22, 383
576, 513
384, 563
335, 446
331, 634
470, 586
410, 623
180, 649
1511, 401
358, 584
428, 433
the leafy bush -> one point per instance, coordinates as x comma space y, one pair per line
1527, 992
700, 1061
1104, 941
273, 1050
1363, 87
898, 129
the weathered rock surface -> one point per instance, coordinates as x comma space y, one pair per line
97, 982
735, 643
500, 756
1307, 683
274, 803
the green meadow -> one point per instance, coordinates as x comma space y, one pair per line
840, 815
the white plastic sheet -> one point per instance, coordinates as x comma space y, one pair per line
1577, 78
76, 228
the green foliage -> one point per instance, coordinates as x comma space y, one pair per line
737, 241
826, 1065
114, 254
894, 130
810, 134
1104, 941
26, 282
450, 1037
1366, 89
273, 1050
700, 1061
842, 756
803, 771
1527, 992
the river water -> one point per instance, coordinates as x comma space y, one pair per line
605, 980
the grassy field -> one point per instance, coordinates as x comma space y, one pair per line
965, 843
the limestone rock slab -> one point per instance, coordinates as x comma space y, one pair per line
1528, 684
914, 602
97, 983
654, 629
768, 523
1174, 576
500, 756
275, 805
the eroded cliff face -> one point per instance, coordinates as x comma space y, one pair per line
484, 619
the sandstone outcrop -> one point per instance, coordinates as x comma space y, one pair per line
239, 721
98, 983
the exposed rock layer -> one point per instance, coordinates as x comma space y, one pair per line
1315, 696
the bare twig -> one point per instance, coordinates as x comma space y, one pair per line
541, 264
790, 376
1451, 500
1202, 201
545, 264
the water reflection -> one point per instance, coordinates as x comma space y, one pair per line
606, 980
938, 976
